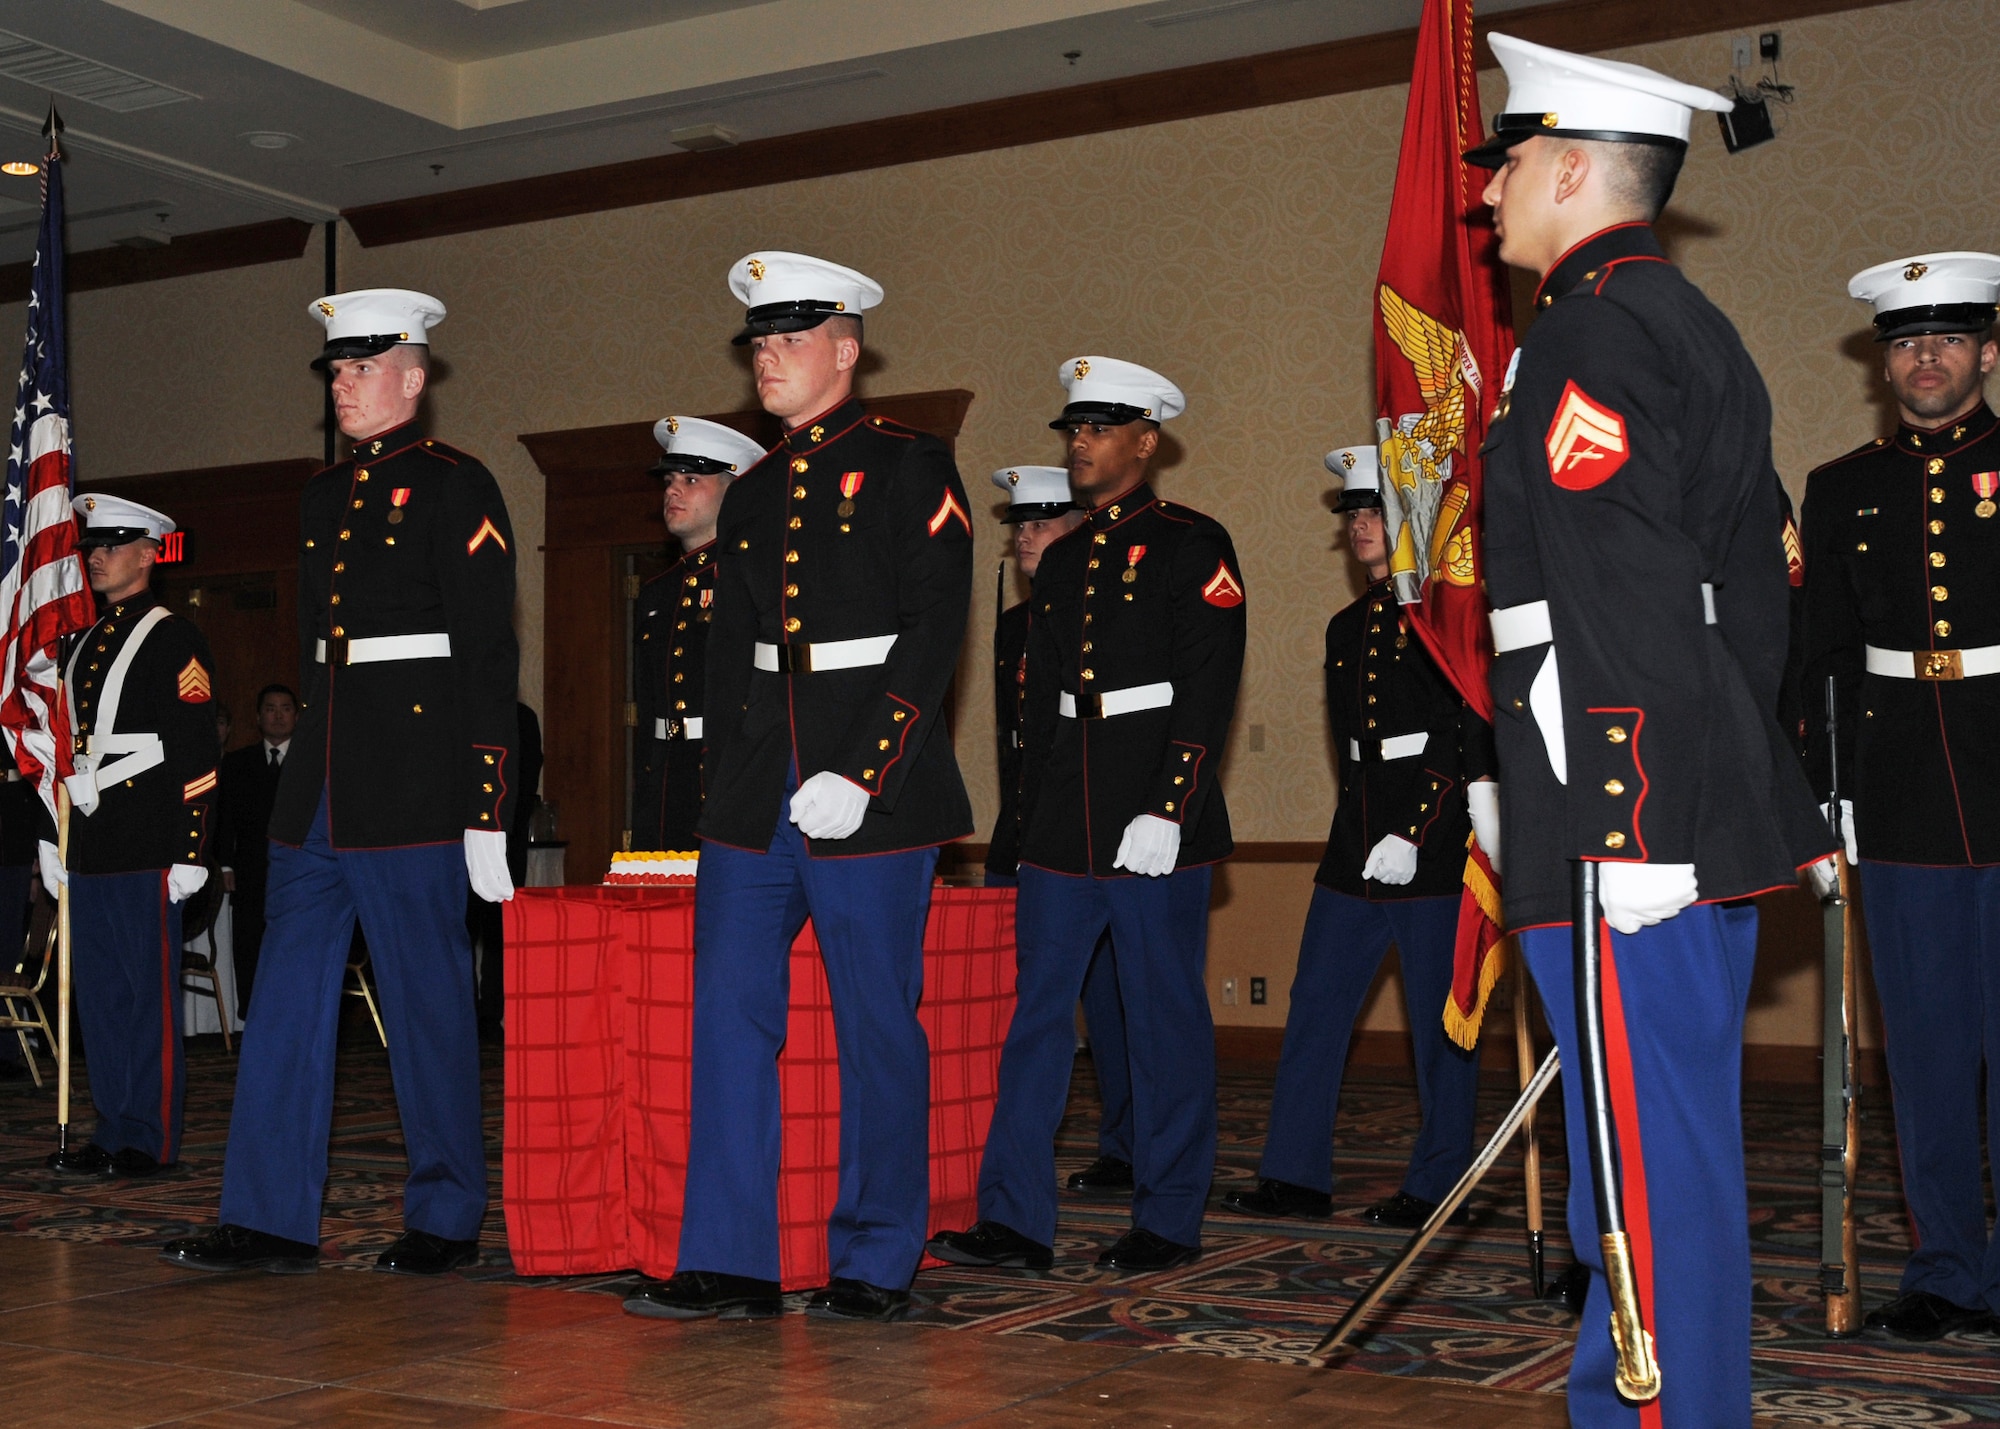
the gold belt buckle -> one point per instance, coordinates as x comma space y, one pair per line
1090, 706
1940, 665
795, 659
336, 650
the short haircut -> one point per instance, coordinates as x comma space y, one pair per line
269, 690
414, 354
844, 325
1640, 174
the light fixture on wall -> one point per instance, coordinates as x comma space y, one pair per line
702, 138
20, 168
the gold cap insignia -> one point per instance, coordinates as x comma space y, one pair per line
325, 307
1915, 271
756, 270
90, 503
1082, 368
1550, 120
1347, 460
1013, 478
673, 425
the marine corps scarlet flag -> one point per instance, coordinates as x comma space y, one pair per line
1443, 334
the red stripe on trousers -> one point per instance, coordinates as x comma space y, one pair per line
167, 1049
1631, 1153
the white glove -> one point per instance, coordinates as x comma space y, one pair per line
1393, 860
486, 864
1638, 895
1846, 827
828, 806
1825, 877
1151, 846
54, 875
1482, 801
184, 880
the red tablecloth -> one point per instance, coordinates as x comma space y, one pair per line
600, 997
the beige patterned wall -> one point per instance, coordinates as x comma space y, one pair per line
1234, 253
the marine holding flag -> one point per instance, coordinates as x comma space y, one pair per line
1640, 591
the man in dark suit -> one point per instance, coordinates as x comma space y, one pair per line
249, 786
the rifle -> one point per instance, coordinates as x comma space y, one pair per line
1840, 1095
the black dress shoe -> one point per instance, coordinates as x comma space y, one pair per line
1279, 1199
844, 1299
1921, 1315
1138, 1252
1407, 1212
1106, 1176
700, 1294
421, 1253
240, 1248
89, 1159
990, 1243
1570, 1289
132, 1162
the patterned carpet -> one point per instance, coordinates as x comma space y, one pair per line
1263, 1290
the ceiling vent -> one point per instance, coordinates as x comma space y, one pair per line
78, 78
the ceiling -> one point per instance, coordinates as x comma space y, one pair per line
372, 100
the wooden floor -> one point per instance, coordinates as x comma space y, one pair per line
94, 1335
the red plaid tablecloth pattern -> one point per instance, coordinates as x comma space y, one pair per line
600, 984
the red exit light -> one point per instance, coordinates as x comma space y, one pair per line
173, 549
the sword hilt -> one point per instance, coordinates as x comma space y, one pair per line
1638, 1374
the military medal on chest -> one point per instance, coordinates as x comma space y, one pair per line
1133, 555
1985, 483
398, 499
850, 483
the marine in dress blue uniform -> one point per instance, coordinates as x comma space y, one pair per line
1635, 562
396, 794
139, 686
1903, 612
1133, 663
1040, 510
1409, 751
670, 631
845, 573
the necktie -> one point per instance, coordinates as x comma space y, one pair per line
274, 756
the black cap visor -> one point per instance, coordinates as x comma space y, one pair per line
112, 536
1935, 317
1512, 129
694, 465
1098, 414
370, 346
1036, 511
1359, 499
801, 316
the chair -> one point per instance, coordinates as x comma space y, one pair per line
357, 963
19, 986
198, 968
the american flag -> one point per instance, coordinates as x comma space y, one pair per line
43, 593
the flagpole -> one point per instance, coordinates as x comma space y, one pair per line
62, 967
1531, 1151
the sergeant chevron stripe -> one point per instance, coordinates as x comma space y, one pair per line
194, 684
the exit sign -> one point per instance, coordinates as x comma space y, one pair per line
173, 549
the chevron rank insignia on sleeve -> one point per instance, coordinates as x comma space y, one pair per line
194, 684
1586, 441
948, 510
1223, 589
487, 532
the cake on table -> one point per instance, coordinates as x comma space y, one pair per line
654, 868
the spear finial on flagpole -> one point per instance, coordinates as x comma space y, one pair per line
52, 128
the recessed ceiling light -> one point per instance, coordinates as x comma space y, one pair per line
20, 168
269, 139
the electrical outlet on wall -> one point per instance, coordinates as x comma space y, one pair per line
1229, 992
1742, 55
1257, 998
1256, 739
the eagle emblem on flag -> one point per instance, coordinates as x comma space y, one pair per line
1419, 448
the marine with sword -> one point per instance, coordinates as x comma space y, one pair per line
1639, 590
